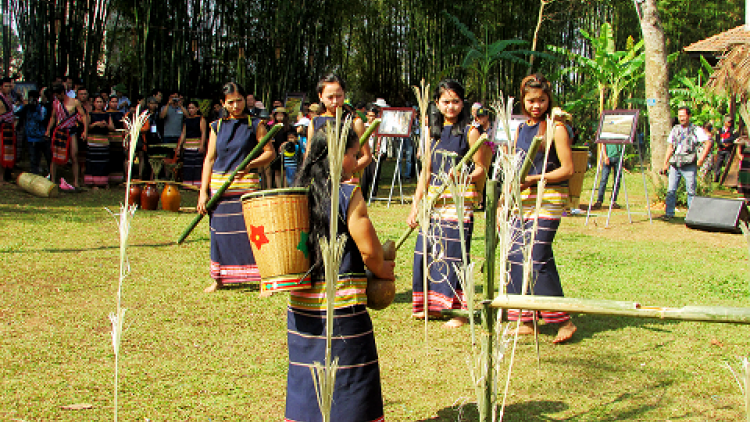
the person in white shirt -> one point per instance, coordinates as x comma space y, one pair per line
682, 159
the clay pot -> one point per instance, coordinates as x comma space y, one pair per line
380, 293
150, 197
170, 198
134, 196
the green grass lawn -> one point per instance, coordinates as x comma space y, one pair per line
192, 356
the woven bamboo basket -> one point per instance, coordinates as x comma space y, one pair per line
277, 223
575, 184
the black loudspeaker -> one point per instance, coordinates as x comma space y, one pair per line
716, 214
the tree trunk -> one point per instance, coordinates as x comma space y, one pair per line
657, 80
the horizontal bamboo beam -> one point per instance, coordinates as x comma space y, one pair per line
619, 308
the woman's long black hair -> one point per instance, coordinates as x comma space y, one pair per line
315, 174
436, 118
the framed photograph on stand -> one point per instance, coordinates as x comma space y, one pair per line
396, 122
616, 131
617, 127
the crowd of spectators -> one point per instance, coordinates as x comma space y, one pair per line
66, 125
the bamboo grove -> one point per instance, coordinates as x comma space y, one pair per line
382, 47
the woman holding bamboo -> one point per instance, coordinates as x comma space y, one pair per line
357, 394
536, 101
449, 141
332, 93
230, 141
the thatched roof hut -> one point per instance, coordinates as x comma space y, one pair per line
729, 51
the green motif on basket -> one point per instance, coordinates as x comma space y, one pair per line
302, 246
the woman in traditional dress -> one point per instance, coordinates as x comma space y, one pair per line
449, 142
332, 93
230, 141
97, 154
116, 142
536, 101
193, 140
357, 395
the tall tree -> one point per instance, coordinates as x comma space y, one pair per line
657, 79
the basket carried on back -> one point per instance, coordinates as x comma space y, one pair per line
278, 223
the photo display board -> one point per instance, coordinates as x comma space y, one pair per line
617, 127
396, 122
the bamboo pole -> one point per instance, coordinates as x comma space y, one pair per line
215, 198
474, 148
365, 136
488, 320
720, 314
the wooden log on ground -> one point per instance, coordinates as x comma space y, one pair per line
619, 308
37, 185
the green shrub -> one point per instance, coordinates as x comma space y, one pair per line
661, 184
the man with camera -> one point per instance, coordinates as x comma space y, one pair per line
173, 115
682, 159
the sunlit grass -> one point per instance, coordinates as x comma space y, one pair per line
188, 355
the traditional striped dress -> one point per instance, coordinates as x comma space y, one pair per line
7, 134
65, 129
546, 280
192, 167
97, 155
357, 395
116, 148
444, 236
232, 259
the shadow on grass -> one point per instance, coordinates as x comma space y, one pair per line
238, 287
616, 409
531, 411
98, 248
589, 325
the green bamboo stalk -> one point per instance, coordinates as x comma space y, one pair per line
474, 148
718, 314
365, 136
215, 198
533, 149
488, 320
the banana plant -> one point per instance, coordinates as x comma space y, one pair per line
482, 56
609, 72
690, 91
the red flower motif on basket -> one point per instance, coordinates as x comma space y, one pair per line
258, 236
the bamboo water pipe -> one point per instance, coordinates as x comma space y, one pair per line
620, 308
